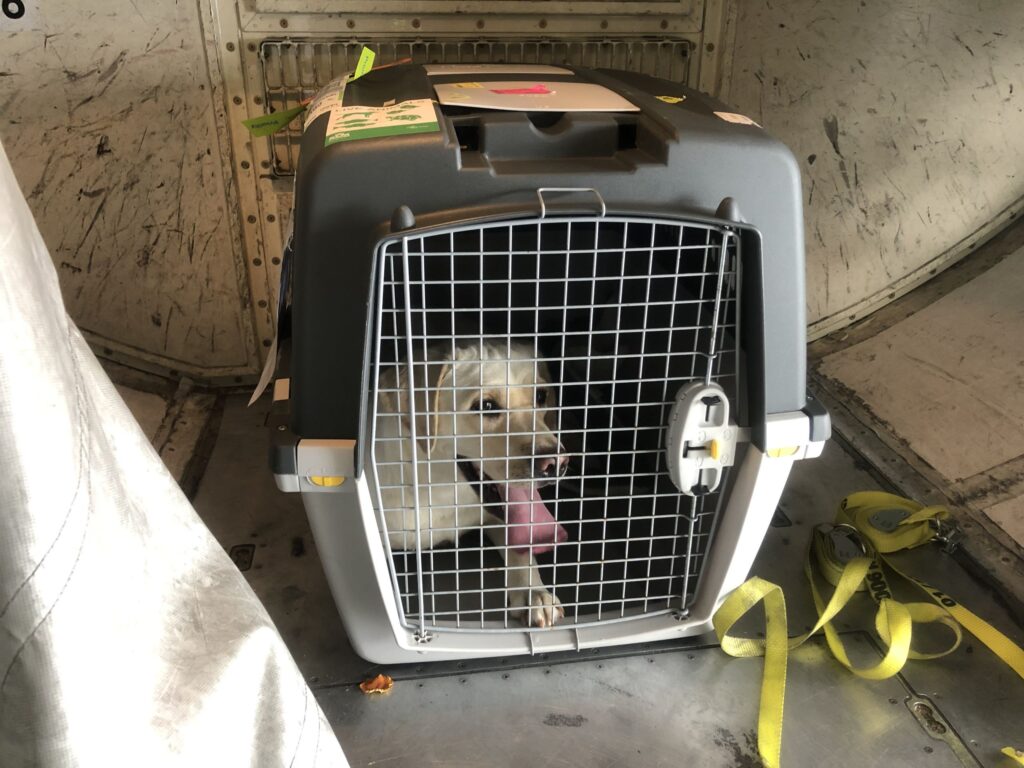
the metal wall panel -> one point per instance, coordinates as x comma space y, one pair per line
109, 118
908, 125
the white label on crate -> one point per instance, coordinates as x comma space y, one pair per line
354, 123
327, 99
733, 117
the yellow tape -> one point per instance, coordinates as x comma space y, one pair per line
915, 529
894, 620
1008, 651
1016, 754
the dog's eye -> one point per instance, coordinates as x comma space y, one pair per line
542, 396
488, 405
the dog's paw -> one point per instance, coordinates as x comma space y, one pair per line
536, 607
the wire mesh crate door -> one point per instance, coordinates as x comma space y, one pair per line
524, 373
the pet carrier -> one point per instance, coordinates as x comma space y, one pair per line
545, 373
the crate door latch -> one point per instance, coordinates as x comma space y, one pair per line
701, 440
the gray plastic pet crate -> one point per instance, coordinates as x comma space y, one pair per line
650, 261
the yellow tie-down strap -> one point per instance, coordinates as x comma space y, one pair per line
904, 525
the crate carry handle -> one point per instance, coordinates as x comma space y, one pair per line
543, 206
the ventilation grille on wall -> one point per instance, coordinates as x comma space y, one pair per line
296, 70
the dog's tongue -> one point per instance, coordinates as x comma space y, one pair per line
531, 526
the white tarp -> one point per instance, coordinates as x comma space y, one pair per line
127, 636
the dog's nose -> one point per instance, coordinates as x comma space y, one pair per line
549, 466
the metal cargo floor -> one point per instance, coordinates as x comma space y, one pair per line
671, 704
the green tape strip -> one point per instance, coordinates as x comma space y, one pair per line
365, 64
264, 125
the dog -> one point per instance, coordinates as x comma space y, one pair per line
483, 449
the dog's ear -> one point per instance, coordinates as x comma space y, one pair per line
428, 383
438, 373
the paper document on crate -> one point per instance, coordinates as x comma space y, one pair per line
533, 96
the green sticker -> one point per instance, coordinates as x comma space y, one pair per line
365, 63
359, 122
264, 125
384, 130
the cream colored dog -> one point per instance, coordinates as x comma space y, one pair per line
482, 451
